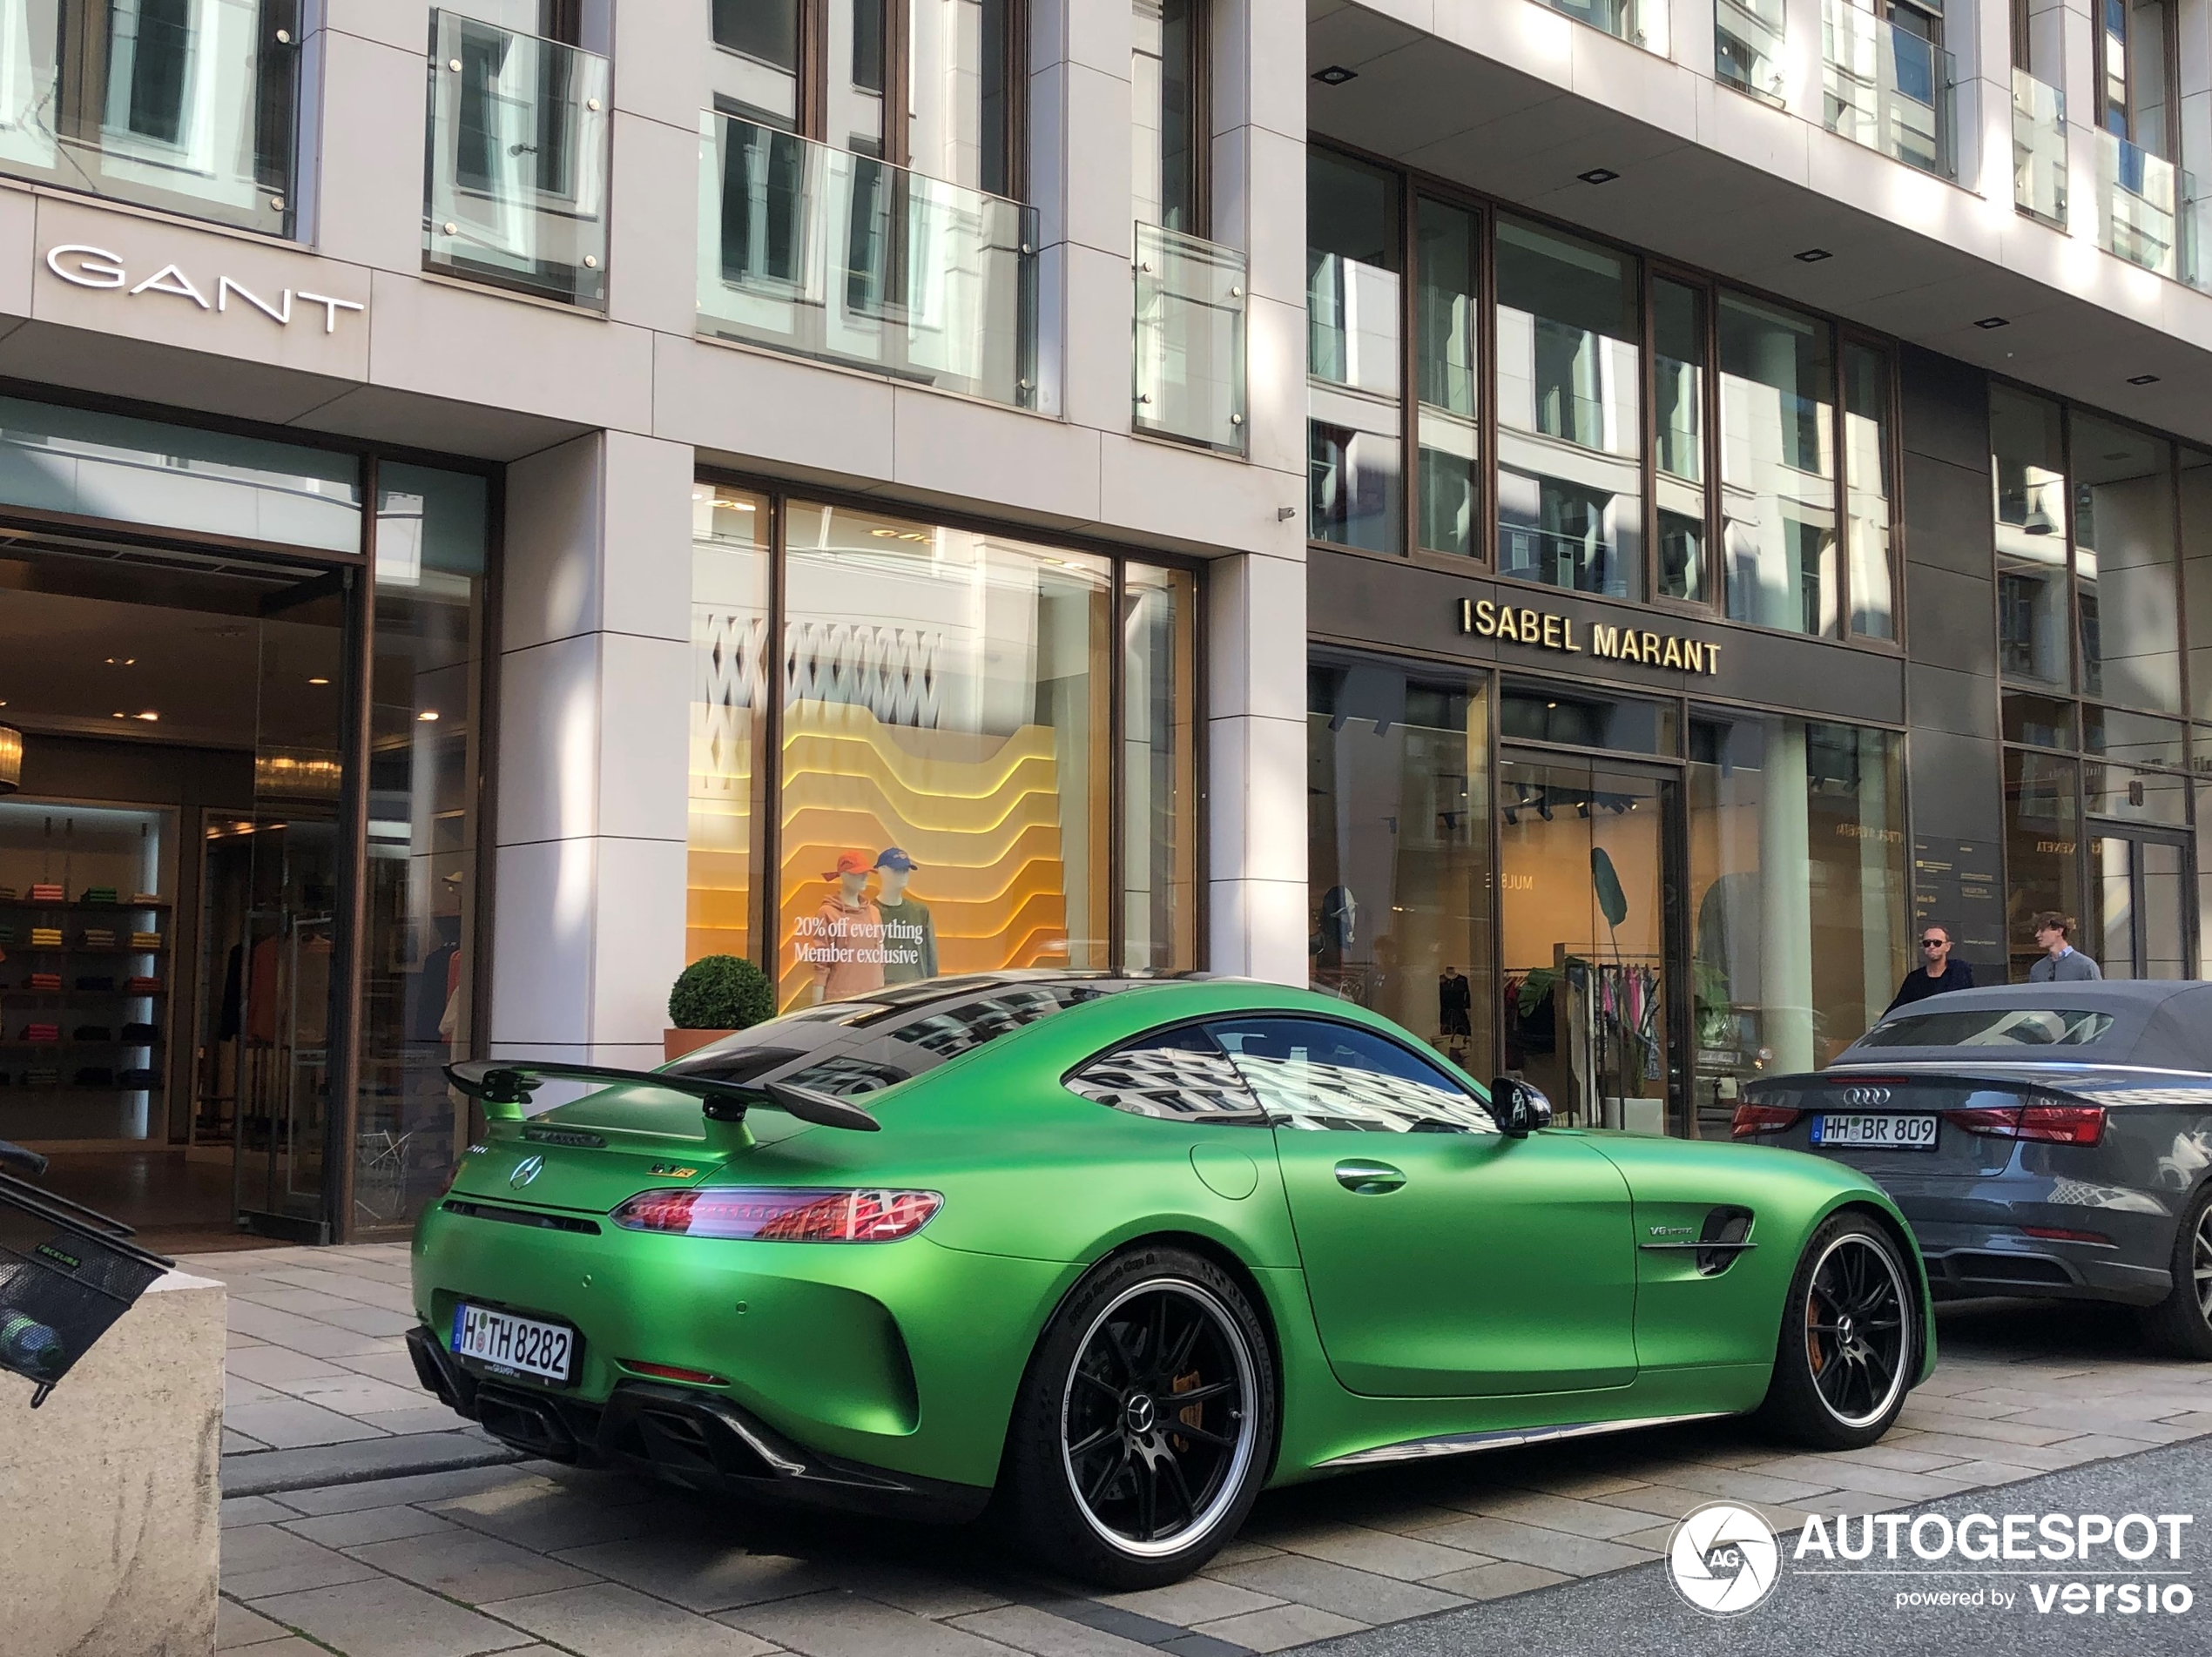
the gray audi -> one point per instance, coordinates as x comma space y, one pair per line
2042, 1139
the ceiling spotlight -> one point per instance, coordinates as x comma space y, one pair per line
1994, 322
1335, 75
123, 661
1598, 175
428, 715
2142, 379
318, 681
149, 716
1813, 255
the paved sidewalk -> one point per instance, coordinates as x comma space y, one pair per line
532, 1557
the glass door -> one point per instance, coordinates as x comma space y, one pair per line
1587, 898
2137, 927
274, 884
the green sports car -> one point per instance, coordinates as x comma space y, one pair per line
1114, 1254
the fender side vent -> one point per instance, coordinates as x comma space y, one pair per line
1725, 1234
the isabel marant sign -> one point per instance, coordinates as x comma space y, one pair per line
83, 265
1548, 630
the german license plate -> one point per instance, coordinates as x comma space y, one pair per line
1887, 1132
506, 1342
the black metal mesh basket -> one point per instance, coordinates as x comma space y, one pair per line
66, 1274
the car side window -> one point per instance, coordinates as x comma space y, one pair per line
1315, 1074
1181, 1074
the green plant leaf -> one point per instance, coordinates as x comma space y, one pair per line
1611, 900
721, 993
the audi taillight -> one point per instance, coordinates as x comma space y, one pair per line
2046, 1123
774, 1214
1762, 1118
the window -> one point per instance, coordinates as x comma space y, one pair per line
1778, 467
1993, 1026
1168, 119
1446, 303
824, 70
2134, 66
2125, 596
1570, 437
1352, 372
1180, 1075
939, 766
1316, 1074
1678, 379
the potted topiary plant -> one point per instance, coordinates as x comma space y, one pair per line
715, 996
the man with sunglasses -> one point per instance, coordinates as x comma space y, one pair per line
1936, 972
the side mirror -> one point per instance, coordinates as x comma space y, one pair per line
1520, 1109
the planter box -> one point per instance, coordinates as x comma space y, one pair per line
675, 1043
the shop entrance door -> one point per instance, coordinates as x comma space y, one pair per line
2137, 925
1589, 902
274, 885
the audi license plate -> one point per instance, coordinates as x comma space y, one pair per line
1888, 1132
506, 1342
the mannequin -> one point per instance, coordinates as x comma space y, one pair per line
909, 932
844, 939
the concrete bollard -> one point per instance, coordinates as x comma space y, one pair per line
111, 1494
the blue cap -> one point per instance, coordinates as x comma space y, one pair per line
893, 858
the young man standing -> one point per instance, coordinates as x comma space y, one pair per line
2062, 963
1936, 972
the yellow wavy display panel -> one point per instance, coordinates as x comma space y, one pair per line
980, 818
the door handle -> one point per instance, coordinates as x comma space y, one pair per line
1369, 1179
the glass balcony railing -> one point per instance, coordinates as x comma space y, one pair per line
515, 181
2138, 200
191, 108
825, 253
2039, 149
1190, 350
1748, 37
1641, 23
1885, 88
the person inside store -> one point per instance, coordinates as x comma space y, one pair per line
2062, 963
1937, 972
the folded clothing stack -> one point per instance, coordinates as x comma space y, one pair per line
46, 937
9, 894
142, 986
42, 1034
43, 981
7, 935
98, 894
47, 892
91, 1033
140, 899
146, 940
95, 1075
100, 937
141, 1036
137, 1076
42, 1075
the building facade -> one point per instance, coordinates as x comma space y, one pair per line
896, 490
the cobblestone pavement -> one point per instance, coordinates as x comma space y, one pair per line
534, 1559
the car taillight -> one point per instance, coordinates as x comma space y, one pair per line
2050, 1124
774, 1214
2060, 1234
1762, 1118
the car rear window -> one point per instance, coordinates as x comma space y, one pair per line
1992, 1026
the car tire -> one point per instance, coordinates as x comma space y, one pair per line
1109, 1476
2180, 1324
1850, 1344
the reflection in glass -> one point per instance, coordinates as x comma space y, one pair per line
2196, 577
2039, 149
1164, 101
1398, 843
956, 67
2028, 478
2135, 737
1885, 84
1445, 308
1352, 371
754, 70
1748, 39
1866, 489
1778, 467
1159, 770
2046, 722
730, 659
1678, 417
1797, 894
2042, 844
1569, 424
1545, 711
1191, 305
426, 724
2134, 796
2123, 566
946, 764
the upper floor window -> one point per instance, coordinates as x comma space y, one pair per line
1168, 117
2134, 50
186, 105
933, 85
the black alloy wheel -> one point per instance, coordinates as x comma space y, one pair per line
1146, 1424
2182, 1324
1850, 1344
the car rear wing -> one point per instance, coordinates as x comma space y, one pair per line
504, 1086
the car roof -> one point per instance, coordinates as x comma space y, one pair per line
2157, 1023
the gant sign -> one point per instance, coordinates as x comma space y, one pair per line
82, 264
